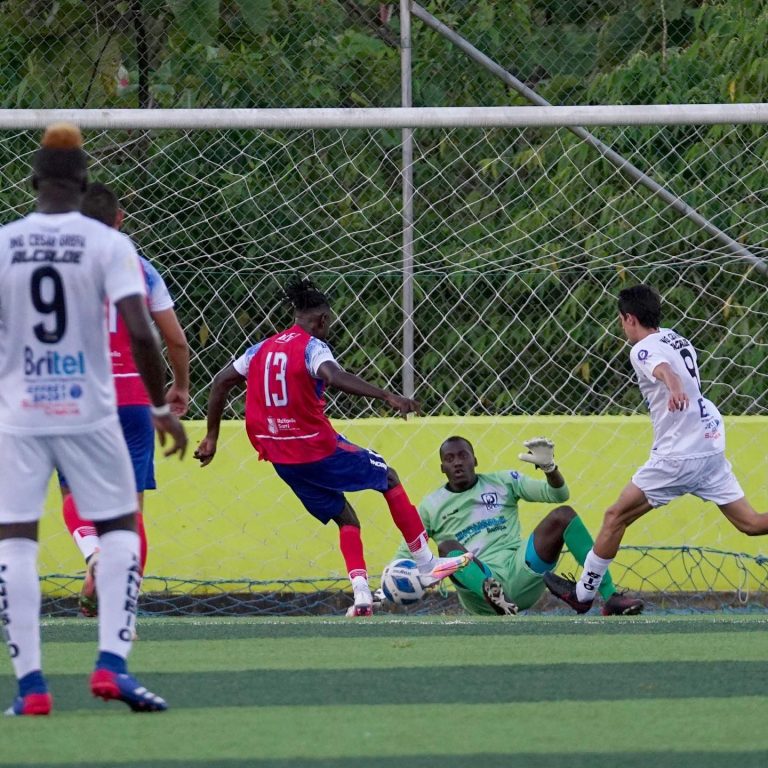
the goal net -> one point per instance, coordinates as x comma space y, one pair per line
522, 237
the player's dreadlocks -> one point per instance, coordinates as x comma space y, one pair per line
61, 158
302, 295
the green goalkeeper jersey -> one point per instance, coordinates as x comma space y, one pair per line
484, 518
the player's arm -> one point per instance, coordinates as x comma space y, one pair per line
678, 400
149, 361
335, 376
223, 383
175, 340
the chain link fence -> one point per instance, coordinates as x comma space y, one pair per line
522, 236
345, 53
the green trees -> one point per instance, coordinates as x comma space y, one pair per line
510, 226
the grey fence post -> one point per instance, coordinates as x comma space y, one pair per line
407, 180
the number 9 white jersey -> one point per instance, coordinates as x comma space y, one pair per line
699, 429
57, 271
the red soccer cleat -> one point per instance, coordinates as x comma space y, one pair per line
31, 704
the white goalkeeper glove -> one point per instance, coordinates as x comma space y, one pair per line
541, 453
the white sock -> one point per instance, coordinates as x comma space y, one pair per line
591, 576
359, 582
360, 589
421, 553
118, 580
20, 603
87, 541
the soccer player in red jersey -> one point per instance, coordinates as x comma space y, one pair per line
285, 377
133, 403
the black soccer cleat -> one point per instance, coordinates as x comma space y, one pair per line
620, 605
565, 589
495, 597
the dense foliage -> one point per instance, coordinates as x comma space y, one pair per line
522, 238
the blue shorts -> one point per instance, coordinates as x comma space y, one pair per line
139, 433
320, 485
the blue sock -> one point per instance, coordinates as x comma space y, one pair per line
112, 662
32, 682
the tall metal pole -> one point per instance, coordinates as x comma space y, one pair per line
673, 201
407, 181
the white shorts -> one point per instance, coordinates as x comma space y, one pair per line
710, 478
96, 464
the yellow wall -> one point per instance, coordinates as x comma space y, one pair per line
235, 519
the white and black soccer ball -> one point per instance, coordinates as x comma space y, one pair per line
400, 582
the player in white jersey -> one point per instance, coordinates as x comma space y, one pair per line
57, 411
688, 444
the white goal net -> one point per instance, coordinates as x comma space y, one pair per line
522, 237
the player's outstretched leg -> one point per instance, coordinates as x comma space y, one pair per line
111, 681
439, 568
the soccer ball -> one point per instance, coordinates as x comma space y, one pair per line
400, 582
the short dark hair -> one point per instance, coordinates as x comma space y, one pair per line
302, 295
455, 438
643, 302
100, 203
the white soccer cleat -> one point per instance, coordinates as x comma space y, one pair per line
440, 568
363, 605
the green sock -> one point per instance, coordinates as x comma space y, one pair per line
471, 576
579, 542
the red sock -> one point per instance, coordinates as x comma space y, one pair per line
406, 518
142, 540
75, 524
351, 545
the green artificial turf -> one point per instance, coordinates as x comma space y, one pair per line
410, 693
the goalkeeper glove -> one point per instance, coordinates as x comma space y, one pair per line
541, 453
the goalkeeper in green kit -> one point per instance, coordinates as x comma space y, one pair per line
477, 512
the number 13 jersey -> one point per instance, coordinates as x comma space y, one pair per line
698, 430
56, 273
284, 402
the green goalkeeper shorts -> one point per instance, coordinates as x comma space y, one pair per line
521, 585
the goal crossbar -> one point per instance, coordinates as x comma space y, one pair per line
390, 117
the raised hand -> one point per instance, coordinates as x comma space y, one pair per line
541, 453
